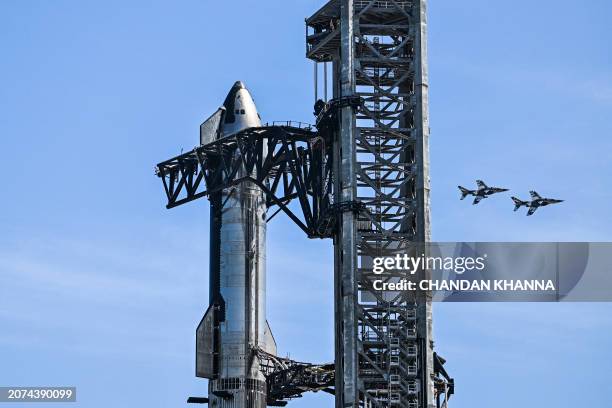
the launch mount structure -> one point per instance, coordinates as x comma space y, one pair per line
360, 177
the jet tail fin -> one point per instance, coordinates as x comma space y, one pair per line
518, 203
464, 192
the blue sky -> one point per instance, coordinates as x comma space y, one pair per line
101, 287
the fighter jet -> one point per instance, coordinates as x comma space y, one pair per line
483, 191
536, 202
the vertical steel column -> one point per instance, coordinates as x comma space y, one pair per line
316, 81
325, 81
421, 119
346, 255
421, 129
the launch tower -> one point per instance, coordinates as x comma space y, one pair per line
378, 54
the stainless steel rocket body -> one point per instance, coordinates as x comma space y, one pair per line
238, 278
242, 287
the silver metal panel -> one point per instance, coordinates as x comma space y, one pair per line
209, 130
204, 345
270, 343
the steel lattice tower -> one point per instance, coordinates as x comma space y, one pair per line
378, 51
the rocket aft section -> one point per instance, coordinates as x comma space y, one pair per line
235, 323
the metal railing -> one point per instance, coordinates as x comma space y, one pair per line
290, 123
361, 4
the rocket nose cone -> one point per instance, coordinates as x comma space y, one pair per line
240, 110
231, 97
233, 94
